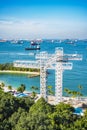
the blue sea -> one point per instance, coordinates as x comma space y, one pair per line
10, 52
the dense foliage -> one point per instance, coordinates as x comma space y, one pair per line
9, 66
24, 114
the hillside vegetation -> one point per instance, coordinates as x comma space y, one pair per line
24, 114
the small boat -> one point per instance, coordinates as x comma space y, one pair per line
70, 42
33, 48
33, 43
36, 42
20, 42
16, 41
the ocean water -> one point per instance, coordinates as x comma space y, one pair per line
71, 78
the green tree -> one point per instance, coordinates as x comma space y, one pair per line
80, 87
10, 87
13, 120
21, 88
37, 118
68, 92
80, 91
24, 114
34, 88
34, 91
11, 109
73, 93
62, 116
2, 85
8, 104
50, 91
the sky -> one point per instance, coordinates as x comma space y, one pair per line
31, 19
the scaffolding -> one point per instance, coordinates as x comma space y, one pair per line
57, 61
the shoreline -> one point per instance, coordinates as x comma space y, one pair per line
75, 102
20, 72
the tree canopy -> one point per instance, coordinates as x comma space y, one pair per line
24, 114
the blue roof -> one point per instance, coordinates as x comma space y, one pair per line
22, 95
78, 111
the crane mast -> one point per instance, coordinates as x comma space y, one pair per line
57, 61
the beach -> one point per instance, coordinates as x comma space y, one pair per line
19, 72
75, 102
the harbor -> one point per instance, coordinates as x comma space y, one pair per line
43, 65
78, 72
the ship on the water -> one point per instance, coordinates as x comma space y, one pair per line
33, 48
34, 43
2, 40
16, 41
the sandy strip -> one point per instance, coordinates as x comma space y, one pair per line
7, 90
13, 89
19, 72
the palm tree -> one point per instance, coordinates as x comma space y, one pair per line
68, 92
34, 89
22, 85
50, 91
49, 87
74, 94
80, 88
80, 91
21, 88
10, 87
2, 85
33, 94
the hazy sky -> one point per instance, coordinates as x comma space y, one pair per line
29, 19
